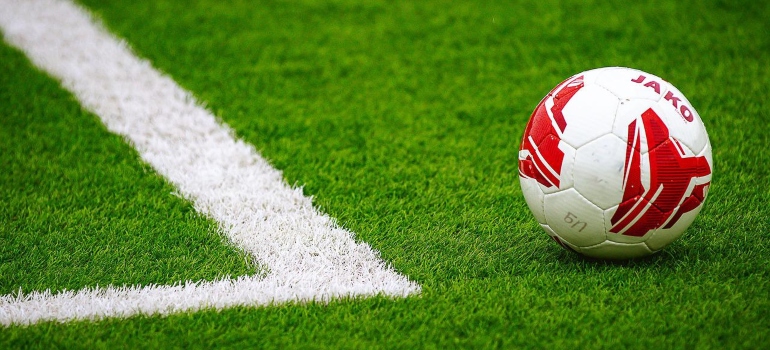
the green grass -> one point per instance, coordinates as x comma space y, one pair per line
403, 121
78, 206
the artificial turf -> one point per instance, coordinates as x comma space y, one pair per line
402, 120
78, 207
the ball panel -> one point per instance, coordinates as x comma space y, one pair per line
664, 236
676, 101
541, 160
637, 216
629, 124
677, 174
565, 170
690, 133
598, 170
590, 76
632, 84
575, 219
614, 250
706, 153
534, 197
617, 237
589, 115
540, 126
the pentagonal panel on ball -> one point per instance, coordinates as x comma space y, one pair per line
589, 114
573, 218
598, 171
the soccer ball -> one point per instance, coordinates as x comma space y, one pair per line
615, 163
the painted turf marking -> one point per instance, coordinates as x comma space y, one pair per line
307, 256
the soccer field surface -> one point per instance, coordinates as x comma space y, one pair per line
402, 121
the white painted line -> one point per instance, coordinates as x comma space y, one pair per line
308, 257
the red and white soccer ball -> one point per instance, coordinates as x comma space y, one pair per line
615, 163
